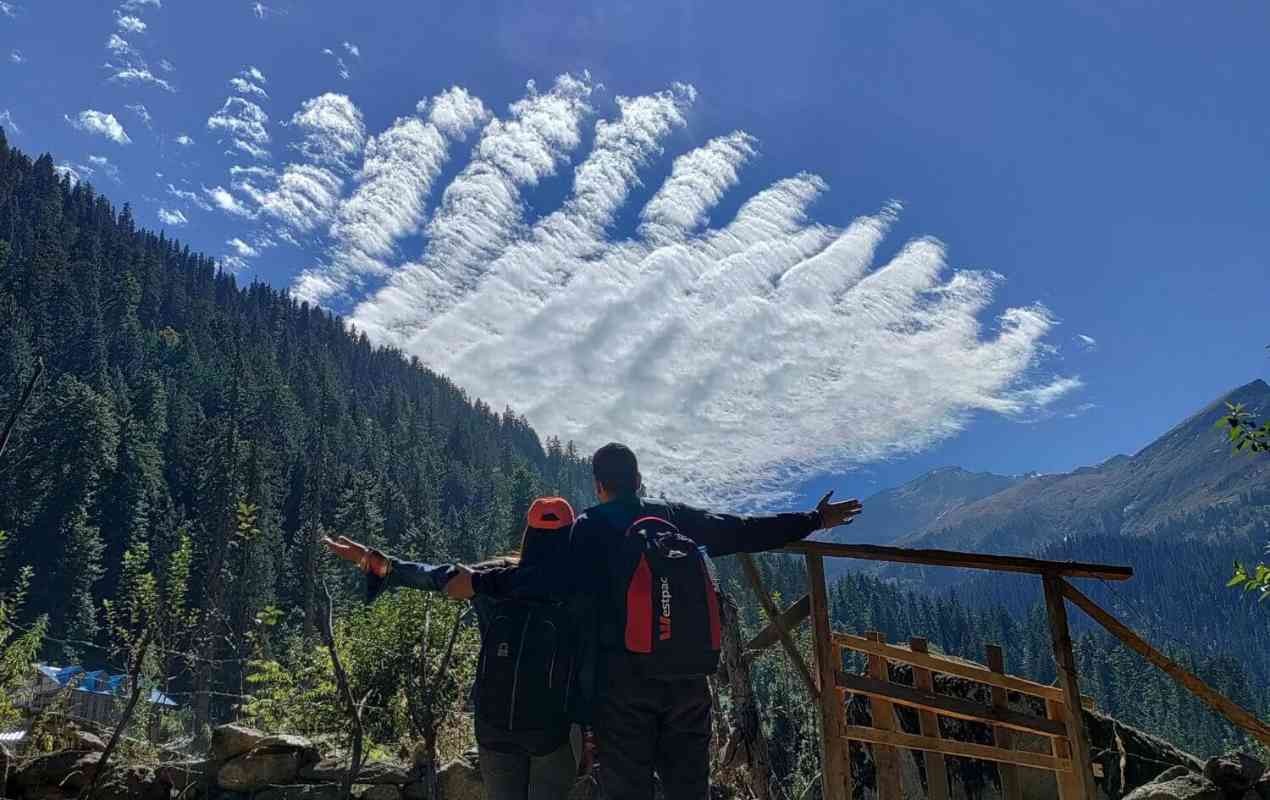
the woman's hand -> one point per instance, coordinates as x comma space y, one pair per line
367, 559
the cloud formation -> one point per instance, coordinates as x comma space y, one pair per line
175, 218
735, 358
100, 123
142, 113
243, 122
16, 57
6, 119
130, 24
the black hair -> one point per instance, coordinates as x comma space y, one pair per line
615, 467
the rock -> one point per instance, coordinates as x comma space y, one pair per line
380, 772
322, 791
66, 769
181, 775
419, 791
233, 739
459, 780
131, 782
88, 742
1191, 786
287, 743
1235, 773
256, 770
381, 791
1171, 773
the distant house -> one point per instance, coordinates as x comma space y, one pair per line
92, 696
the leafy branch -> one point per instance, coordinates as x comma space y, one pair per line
1244, 431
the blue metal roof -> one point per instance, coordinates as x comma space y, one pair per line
96, 682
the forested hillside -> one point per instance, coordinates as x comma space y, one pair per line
209, 434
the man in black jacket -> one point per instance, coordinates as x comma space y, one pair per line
644, 724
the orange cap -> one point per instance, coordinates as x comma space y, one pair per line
550, 513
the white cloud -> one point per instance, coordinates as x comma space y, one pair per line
142, 113
103, 164
253, 171
222, 199
184, 140
333, 129
166, 65
6, 119
233, 263
16, 57
139, 5
130, 24
118, 45
253, 74
8, 9
735, 359
135, 73
353, 50
243, 249
100, 124
244, 86
244, 123
190, 197
1086, 342
341, 67
68, 170
175, 218
261, 10
393, 185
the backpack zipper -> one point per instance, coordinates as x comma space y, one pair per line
520, 651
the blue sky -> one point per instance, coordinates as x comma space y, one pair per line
1111, 164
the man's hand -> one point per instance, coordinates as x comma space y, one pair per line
460, 586
366, 558
834, 514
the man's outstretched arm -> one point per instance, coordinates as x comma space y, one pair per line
725, 534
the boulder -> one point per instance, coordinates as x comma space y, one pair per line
374, 772
233, 739
419, 791
180, 775
460, 780
129, 783
87, 742
1234, 773
256, 770
1190, 786
66, 769
287, 743
321, 791
381, 791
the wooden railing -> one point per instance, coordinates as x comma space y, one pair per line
1062, 725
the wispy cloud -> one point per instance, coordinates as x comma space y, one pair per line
173, 217
242, 249
184, 140
248, 82
8, 9
16, 57
221, 198
140, 5
139, 74
263, 11
130, 24
341, 67
244, 123
191, 197
6, 119
119, 45
142, 113
103, 165
733, 359
1086, 342
100, 123
68, 170
353, 50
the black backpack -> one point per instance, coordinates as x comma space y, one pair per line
524, 677
669, 596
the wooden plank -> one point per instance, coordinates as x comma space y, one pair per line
790, 619
1217, 701
953, 558
954, 707
1070, 784
886, 759
1001, 736
936, 765
952, 747
948, 666
773, 617
1065, 661
835, 762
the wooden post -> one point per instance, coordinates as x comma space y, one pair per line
1070, 786
774, 618
1215, 700
835, 755
936, 766
1065, 663
885, 758
1001, 736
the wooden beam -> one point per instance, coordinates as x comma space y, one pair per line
936, 766
1070, 785
1065, 661
949, 666
835, 761
886, 759
790, 619
953, 558
954, 707
952, 747
773, 618
1217, 701
1001, 735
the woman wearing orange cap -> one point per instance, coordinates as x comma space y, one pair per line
529, 747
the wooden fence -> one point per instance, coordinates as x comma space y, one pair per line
1062, 725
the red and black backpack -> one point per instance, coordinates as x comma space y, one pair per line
668, 594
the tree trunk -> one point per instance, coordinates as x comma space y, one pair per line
747, 733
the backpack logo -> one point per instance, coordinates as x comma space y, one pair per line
675, 554
664, 621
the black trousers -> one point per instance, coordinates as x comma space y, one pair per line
646, 725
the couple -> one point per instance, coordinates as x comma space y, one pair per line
609, 619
